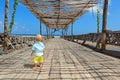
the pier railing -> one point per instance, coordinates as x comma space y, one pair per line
112, 37
17, 42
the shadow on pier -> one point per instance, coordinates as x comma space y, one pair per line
113, 53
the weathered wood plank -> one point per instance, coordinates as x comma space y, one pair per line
64, 60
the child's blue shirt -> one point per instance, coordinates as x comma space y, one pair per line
38, 48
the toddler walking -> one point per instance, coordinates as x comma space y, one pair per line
37, 50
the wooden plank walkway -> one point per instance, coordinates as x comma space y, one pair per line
64, 60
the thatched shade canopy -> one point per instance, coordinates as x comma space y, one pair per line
58, 13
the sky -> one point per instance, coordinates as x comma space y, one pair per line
27, 23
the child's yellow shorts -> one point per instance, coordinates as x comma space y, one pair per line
38, 59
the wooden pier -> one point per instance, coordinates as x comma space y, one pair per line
64, 60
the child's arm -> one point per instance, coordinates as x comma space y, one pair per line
32, 53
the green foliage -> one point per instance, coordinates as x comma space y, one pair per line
13, 15
98, 21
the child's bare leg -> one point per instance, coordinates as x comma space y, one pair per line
35, 66
41, 65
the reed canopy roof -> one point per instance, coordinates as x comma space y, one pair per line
59, 13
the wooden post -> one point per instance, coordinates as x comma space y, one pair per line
5, 45
51, 32
62, 33
72, 30
104, 25
47, 31
40, 28
66, 30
